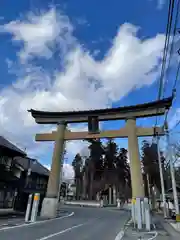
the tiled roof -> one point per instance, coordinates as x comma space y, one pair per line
33, 164
6, 144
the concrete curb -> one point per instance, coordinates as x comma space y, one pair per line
7, 212
166, 226
83, 204
169, 227
86, 206
176, 226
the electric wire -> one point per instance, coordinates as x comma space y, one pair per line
172, 47
168, 66
173, 92
171, 51
165, 52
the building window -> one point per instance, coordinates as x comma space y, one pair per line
5, 160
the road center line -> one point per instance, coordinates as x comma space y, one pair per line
38, 222
61, 232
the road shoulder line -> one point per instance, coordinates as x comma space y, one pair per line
38, 222
120, 235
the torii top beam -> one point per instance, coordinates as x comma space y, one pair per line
136, 111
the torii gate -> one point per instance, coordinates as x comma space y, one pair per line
131, 131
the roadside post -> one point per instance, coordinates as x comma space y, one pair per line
35, 207
147, 214
28, 209
133, 211
142, 211
139, 216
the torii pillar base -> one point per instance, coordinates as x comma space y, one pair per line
49, 207
50, 202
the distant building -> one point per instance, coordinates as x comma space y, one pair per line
10, 172
71, 191
34, 179
19, 176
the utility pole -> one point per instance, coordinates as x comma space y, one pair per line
169, 155
162, 180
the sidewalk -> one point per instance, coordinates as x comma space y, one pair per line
131, 234
167, 224
9, 211
161, 230
10, 218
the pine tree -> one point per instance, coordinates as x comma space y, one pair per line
150, 163
123, 172
78, 165
95, 164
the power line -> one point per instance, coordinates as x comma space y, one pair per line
172, 45
177, 75
175, 126
174, 92
170, 56
165, 51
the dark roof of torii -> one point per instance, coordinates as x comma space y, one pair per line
103, 114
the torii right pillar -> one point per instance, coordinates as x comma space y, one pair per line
135, 164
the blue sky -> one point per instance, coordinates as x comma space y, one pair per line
92, 40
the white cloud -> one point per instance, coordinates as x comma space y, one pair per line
74, 147
174, 119
38, 33
159, 3
68, 172
48, 166
85, 152
76, 81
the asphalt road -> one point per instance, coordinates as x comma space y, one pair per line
85, 224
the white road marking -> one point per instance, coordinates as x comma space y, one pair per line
122, 232
38, 222
120, 235
14, 221
63, 231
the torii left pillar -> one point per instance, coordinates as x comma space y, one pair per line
50, 202
135, 163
